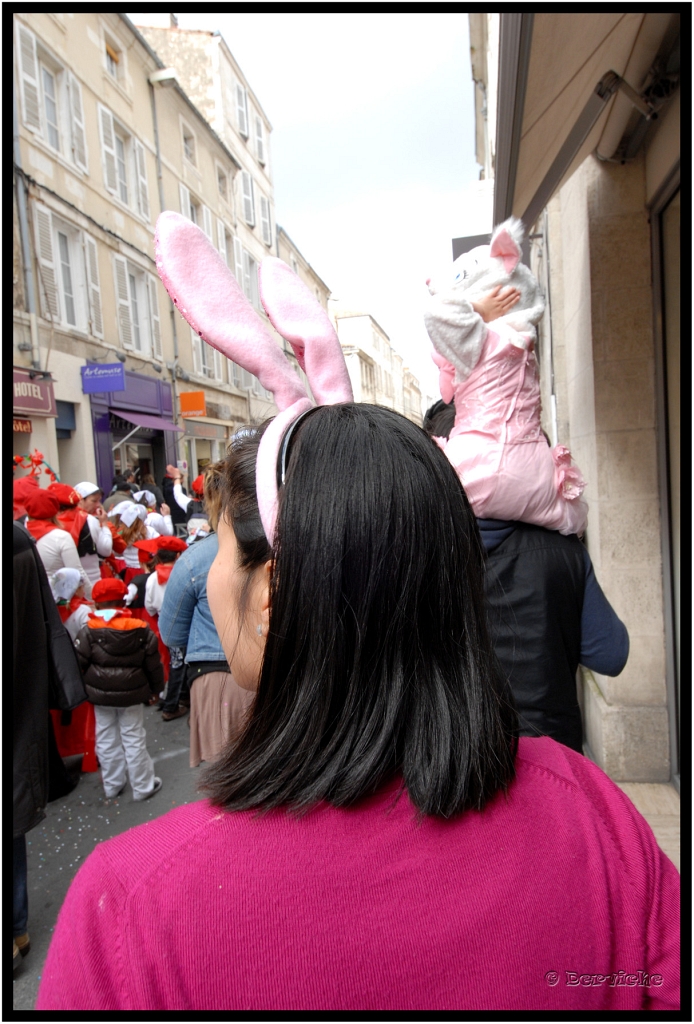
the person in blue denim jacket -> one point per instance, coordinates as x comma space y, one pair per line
217, 704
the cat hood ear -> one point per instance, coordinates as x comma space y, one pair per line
507, 239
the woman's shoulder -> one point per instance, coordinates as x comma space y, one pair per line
132, 855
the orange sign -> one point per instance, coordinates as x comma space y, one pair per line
192, 403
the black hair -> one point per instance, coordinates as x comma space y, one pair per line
163, 557
378, 662
439, 419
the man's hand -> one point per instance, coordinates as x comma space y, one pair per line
173, 472
100, 514
496, 303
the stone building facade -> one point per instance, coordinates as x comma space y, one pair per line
375, 369
605, 246
105, 139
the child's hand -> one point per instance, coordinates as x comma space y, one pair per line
164, 509
495, 303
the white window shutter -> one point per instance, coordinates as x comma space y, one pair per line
217, 365
238, 262
29, 79
196, 345
266, 228
247, 275
233, 372
108, 148
259, 142
77, 135
155, 324
142, 191
125, 327
47, 276
184, 196
248, 206
207, 221
222, 240
242, 110
93, 288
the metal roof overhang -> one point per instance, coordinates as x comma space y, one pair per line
556, 97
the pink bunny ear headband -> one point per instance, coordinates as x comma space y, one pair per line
206, 293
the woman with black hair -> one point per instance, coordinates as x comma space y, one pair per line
405, 857
376, 838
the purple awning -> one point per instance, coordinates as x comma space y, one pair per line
140, 419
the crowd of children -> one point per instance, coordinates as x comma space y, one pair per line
108, 570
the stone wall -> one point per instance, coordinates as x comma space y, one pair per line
601, 289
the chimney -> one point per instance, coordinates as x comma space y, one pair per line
174, 21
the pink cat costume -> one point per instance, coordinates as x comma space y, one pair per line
496, 444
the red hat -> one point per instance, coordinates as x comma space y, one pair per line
20, 488
41, 505
65, 494
147, 549
197, 485
108, 590
171, 544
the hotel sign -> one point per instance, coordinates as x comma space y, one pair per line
32, 395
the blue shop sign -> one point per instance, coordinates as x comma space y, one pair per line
102, 377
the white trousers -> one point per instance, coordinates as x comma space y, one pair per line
121, 742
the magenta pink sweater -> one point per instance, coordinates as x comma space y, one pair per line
555, 897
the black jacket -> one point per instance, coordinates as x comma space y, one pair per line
121, 667
46, 674
535, 582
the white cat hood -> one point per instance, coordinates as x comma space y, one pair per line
478, 271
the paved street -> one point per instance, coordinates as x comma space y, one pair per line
74, 824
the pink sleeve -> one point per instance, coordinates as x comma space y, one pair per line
84, 968
664, 937
653, 880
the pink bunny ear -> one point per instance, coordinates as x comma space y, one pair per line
506, 243
446, 376
207, 295
299, 318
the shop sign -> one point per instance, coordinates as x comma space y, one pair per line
192, 403
102, 377
21, 426
32, 394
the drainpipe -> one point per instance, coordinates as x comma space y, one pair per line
160, 188
24, 238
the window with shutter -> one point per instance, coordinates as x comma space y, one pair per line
248, 205
222, 184
207, 221
78, 138
196, 346
125, 326
108, 149
238, 261
184, 196
242, 110
155, 326
218, 367
142, 192
222, 240
266, 228
93, 288
47, 270
259, 141
234, 373
28, 62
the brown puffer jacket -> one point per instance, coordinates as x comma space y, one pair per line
120, 662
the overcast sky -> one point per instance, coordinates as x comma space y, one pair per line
372, 150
